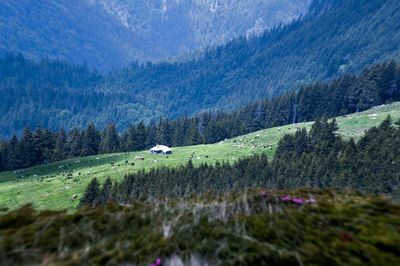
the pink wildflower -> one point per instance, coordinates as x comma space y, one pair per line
264, 194
157, 262
286, 198
299, 201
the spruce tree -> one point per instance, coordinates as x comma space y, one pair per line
61, 148
91, 141
75, 143
45, 143
110, 142
105, 192
92, 195
163, 133
140, 137
151, 135
38, 139
28, 149
13, 152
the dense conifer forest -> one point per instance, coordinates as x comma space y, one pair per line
315, 159
377, 85
335, 37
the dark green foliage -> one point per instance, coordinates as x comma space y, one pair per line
61, 148
249, 228
336, 37
342, 96
28, 148
105, 193
110, 140
75, 143
186, 180
91, 141
93, 196
13, 154
316, 159
370, 165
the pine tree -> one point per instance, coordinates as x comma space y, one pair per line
105, 192
163, 133
28, 149
91, 196
151, 135
193, 137
75, 143
141, 137
13, 152
38, 139
110, 142
44, 143
61, 148
91, 141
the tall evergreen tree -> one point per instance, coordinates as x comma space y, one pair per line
110, 141
91, 141
163, 133
61, 149
13, 151
28, 149
91, 196
140, 137
152, 134
75, 143
105, 192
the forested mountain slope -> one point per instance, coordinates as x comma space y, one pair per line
335, 37
85, 107
111, 33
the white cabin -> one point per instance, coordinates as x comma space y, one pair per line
161, 149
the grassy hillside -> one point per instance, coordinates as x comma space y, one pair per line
53, 186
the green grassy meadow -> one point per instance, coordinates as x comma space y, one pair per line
53, 186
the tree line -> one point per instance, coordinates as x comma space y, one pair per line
348, 94
316, 159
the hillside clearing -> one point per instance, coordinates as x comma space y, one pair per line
53, 186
